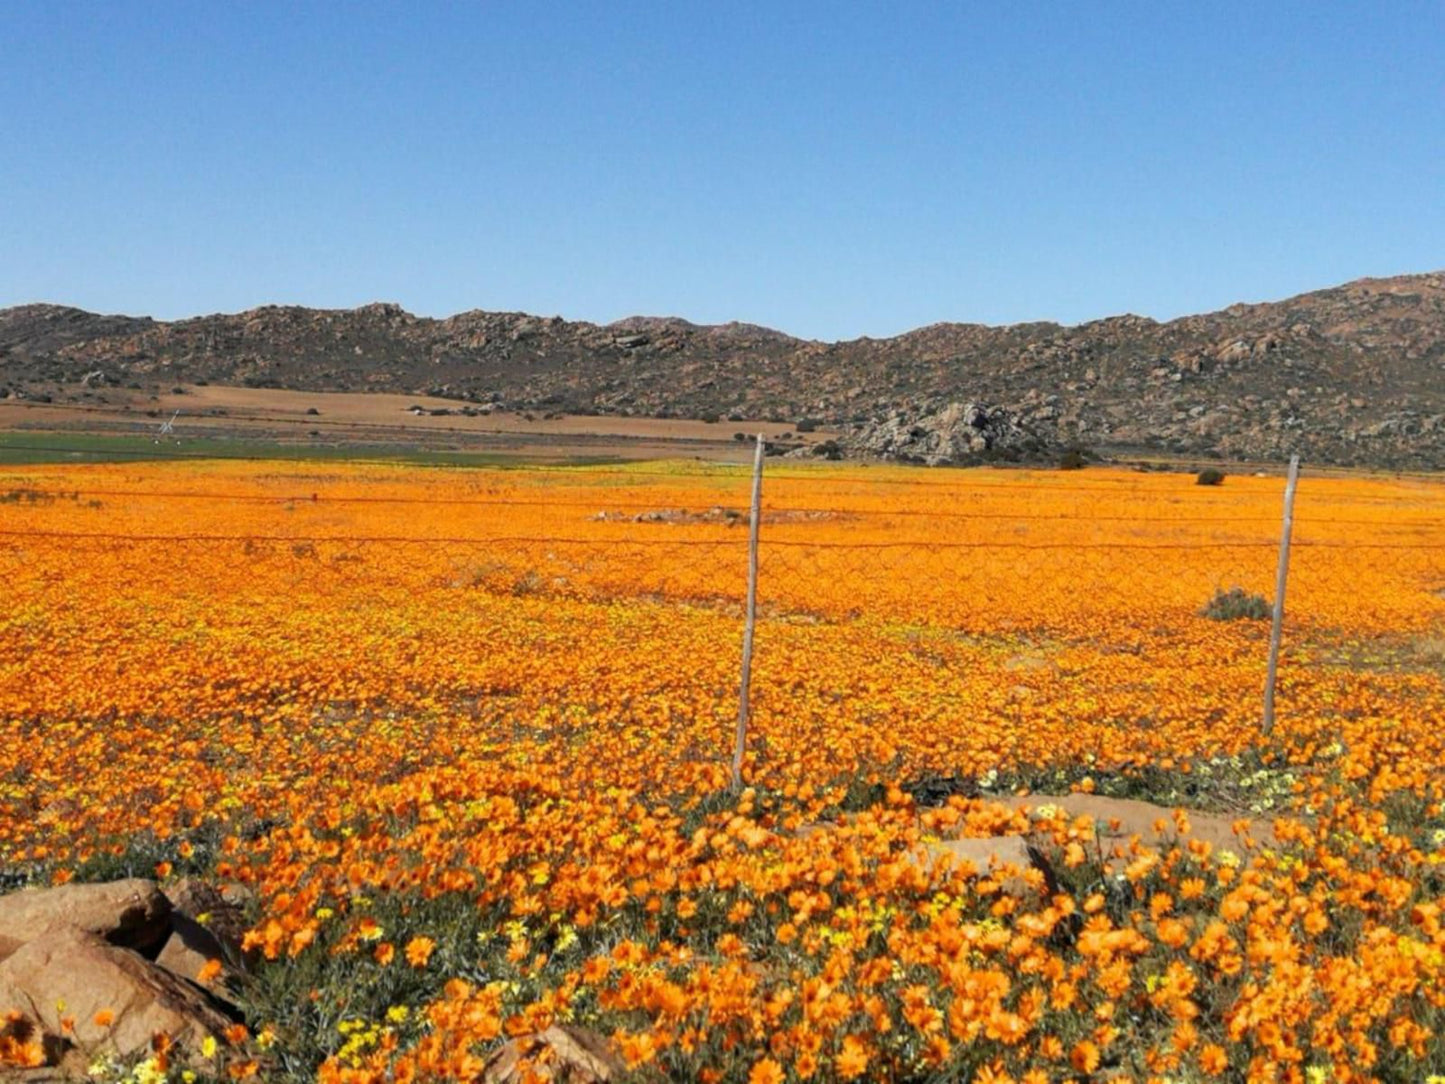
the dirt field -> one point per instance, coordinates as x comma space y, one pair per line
345, 418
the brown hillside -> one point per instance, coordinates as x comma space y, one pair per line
1349, 375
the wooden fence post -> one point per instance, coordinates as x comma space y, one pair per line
1280, 579
751, 619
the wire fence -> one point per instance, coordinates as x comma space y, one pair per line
1120, 597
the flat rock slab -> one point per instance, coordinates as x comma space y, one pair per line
132, 913
1119, 819
87, 975
984, 856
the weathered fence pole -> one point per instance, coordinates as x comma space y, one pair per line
1280, 579
751, 619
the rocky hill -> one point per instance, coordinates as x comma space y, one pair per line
1349, 375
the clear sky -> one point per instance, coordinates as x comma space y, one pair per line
831, 169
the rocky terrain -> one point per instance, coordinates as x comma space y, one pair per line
1353, 375
938, 435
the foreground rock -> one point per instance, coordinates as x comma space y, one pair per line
564, 1054
114, 1000
131, 913
93, 969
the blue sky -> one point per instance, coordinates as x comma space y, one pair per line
830, 169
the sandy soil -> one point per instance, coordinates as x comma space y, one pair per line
356, 418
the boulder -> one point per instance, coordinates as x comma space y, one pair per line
87, 976
561, 1053
131, 913
939, 434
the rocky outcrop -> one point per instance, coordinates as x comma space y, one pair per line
952, 433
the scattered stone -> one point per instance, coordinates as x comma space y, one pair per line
823, 449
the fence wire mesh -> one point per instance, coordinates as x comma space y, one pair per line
925, 600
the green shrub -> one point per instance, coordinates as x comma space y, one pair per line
1210, 476
1073, 459
1236, 604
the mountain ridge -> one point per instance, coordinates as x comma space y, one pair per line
1352, 374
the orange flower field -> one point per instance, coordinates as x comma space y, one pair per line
465, 735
